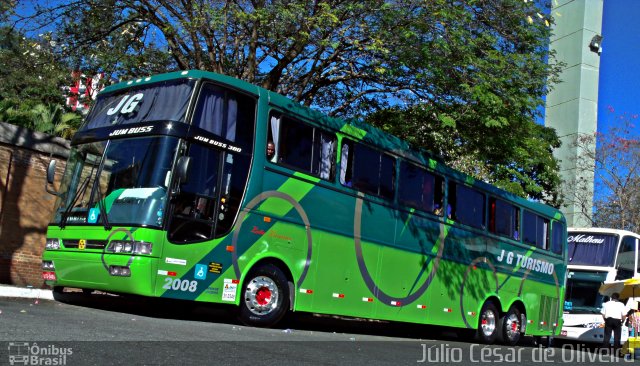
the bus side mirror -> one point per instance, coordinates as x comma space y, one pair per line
182, 168
51, 174
51, 171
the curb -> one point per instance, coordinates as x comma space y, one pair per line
25, 292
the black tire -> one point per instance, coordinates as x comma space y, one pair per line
488, 323
61, 296
58, 293
511, 327
264, 297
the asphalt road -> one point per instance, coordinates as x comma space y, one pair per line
107, 330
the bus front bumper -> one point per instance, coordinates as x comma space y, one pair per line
589, 335
121, 273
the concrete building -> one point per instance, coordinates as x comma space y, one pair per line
572, 107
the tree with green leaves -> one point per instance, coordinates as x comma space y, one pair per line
463, 79
30, 91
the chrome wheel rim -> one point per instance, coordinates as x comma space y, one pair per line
512, 326
488, 323
261, 295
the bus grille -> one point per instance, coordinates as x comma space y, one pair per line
91, 244
548, 312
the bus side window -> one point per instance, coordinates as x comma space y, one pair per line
626, 258
303, 147
535, 230
467, 205
325, 150
227, 114
346, 163
504, 219
558, 230
273, 137
373, 171
420, 189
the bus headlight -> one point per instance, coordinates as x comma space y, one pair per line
131, 247
121, 271
52, 244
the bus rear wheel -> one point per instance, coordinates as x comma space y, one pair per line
488, 328
511, 327
265, 296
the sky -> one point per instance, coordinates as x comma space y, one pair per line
619, 88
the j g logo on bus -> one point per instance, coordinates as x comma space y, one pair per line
525, 262
126, 105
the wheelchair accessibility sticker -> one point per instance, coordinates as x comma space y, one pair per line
200, 272
93, 215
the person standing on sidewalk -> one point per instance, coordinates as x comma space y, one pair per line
614, 312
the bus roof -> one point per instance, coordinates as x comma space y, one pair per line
603, 231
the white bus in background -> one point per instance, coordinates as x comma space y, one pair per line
595, 256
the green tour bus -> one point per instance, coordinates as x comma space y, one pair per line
197, 186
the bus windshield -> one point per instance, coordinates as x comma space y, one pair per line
592, 249
119, 182
582, 296
164, 101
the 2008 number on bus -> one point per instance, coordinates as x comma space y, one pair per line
177, 284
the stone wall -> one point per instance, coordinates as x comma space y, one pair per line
25, 206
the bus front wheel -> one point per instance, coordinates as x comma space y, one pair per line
488, 323
265, 296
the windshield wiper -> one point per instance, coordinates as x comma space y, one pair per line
67, 211
103, 215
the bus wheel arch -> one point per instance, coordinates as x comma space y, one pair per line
513, 324
266, 294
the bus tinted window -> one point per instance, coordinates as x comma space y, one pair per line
466, 205
306, 148
296, 145
367, 170
626, 260
420, 189
504, 219
387, 174
346, 163
194, 207
557, 237
324, 155
225, 113
535, 230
